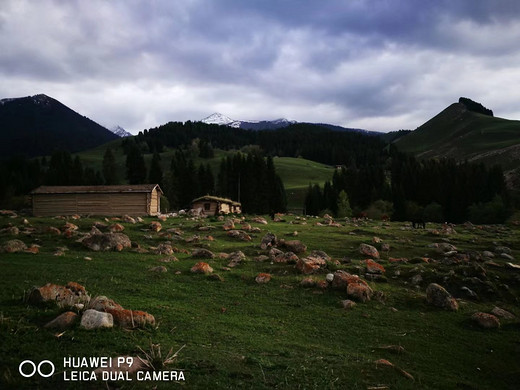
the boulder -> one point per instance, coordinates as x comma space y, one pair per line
348, 304
69, 226
287, 257
107, 242
11, 230
485, 320
239, 234
116, 228
159, 269
93, 319
64, 296
262, 278
236, 258
295, 246
268, 241
52, 230
341, 279
374, 268
260, 220
308, 282
499, 312
228, 225
163, 249
369, 250
202, 253
309, 265
155, 226
359, 291
102, 303
201, 268
437, 295
274, 252
63, 321
13, 246
128, 219
320, 254
130, 319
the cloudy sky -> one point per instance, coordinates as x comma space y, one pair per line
375, 64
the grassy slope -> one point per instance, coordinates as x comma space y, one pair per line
242, 335
462, 134
296, 173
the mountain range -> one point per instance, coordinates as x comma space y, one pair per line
219, 119
37, 125
120, 132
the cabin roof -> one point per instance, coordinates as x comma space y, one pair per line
137, 188
215, 199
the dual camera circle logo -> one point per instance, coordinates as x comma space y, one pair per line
27, 373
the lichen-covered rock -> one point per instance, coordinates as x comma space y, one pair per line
13, 246
163, 249
64, 296
262, 278
130, 319
63, 321
155, 226
287, 257
236, 258
93, 319
107, 242
239, 234
485, 320
201, 268
374, 268
437, 295
309, 265
369, 250
228, 225
295, 246
102, 303
268, 241
202, 253
274, 252
359, 291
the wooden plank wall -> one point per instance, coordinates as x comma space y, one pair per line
94, 204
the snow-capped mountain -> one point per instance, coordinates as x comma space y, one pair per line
219, 119
120, 132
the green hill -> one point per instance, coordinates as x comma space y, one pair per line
462, 134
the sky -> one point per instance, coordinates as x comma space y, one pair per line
381, 65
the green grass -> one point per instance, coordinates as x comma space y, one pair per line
242, 335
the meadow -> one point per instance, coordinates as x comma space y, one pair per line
239, 334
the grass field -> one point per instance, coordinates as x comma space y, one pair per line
239, 334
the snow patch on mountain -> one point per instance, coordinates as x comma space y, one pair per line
120, 132
220, 119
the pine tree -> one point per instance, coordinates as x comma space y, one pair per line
135, 166
155, 174
109, 167
343, 207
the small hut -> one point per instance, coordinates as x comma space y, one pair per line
213, 205
140, 199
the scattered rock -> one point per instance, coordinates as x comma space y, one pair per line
503, 249
63, 321
13, 246
287, 257
485, 320
93, 319
228, 225
308, 283
164, 249
268, 241
309, 265
102, 303
130, 319
239, 234
129, 219
216, 277
359, 291
201, 268
468, 293
348, 304
261, 258
260, 220
274, 252
437, 295
116, 228
63, 296
295, 246
155, 226
262, 278
159, 269
52, 230
374, 268
499, 312
202, 253
236, 258
107, 242
368, 250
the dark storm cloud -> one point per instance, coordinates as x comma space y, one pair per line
379, 64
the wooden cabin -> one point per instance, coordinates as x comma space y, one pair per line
213, 205
136, 200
